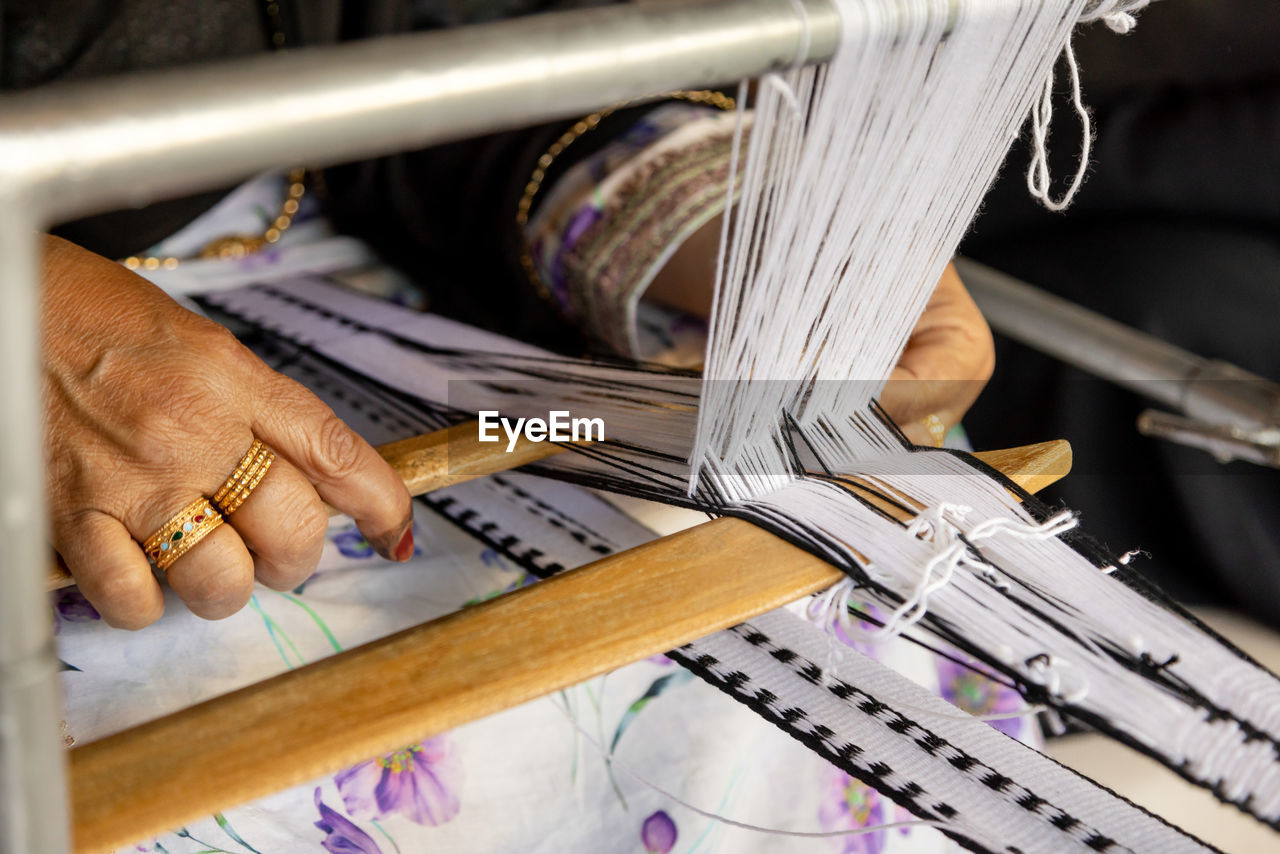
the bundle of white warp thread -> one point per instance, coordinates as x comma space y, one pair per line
859, 178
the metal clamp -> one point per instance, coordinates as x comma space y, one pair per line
1226, 411
1226, 442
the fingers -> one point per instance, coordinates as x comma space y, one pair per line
946, 363
914, 404
283, 522
283, 519
149, 406
951, 341
346, 470
110, 570
215, 578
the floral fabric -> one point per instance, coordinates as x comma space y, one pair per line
526, 779
532, 779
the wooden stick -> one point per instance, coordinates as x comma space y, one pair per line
440, 459
425, 680
435, 460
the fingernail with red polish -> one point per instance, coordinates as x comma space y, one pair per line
404, 549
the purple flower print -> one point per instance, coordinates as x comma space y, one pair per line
847, 804
490, 557
70, 605
979, 695
268, 256
420, 782
579, 224
341, 835
658, 833
692, 323
526, 579
73, 607
901, 816
830, 622
351, 543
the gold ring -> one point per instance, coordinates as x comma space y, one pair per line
248, 474
937, 430
182, 532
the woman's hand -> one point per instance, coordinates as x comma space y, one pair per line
148, 407
946, 363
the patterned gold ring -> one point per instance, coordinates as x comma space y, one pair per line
250, 471
937, 430
182, 532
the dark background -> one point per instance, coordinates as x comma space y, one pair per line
1176, 232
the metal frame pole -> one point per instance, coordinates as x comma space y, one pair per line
1206, 389
84, 148
33, 798
130, 140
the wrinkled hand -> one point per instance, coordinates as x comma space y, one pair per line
946, 364
149, 406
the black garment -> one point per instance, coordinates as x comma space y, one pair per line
47, 41
445, 215
1175, 233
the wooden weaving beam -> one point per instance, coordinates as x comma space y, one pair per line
425, 680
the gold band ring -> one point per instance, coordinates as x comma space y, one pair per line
937, 430
182, 532
248, 474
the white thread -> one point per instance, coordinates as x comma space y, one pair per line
1047, 672
1123, 560
824, 608
772, 831
953, 552
916, 605
962, 715
1053, 723
1049, 529
1116, 14
933, 524
784, 89
1038, 181
831, 608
